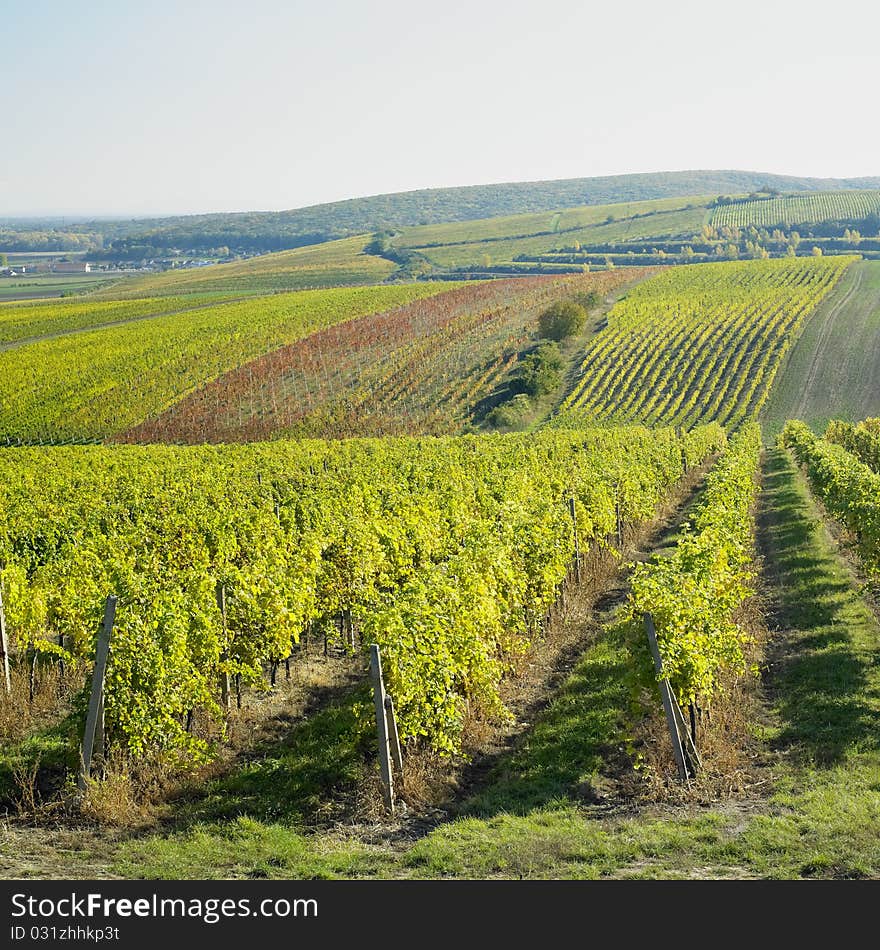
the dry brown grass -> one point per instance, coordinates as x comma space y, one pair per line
27, 797
731, 756
19, 716
124, 795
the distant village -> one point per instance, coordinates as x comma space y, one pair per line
63, 265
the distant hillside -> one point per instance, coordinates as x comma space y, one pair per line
686, 230
285, 229
268, 231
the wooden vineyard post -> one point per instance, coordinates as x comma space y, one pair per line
4, 650
577, 546
93, 738
668, 700
224, 676
619, 518
393, 735
32, 673
382, 727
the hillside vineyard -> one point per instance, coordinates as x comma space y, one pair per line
701, 342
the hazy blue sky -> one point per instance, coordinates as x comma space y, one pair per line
160, 107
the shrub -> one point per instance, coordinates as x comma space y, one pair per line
540, 371
510, 415
565, 318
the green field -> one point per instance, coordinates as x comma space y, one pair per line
584, 233
504, 575
833, 371
526, 225
33, 286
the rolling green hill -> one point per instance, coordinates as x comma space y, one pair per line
497, 240
269, 230
265, 231
690, 229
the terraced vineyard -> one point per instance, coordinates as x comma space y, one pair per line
88, 386
495, 241
700, 343
809, 208
419, 369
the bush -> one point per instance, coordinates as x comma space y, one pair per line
540, 371
565, 318
589, 300
510, 415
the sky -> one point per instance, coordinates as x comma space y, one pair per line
124, 108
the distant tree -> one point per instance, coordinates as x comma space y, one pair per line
4, 260
755, 251
563, 319
817, 251
790, 251
687, 253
